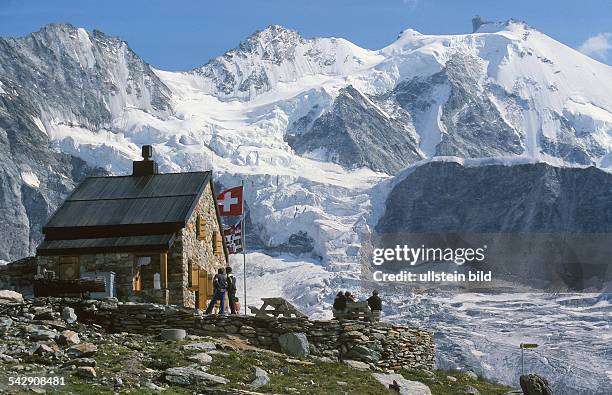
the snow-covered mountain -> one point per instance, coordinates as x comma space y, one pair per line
319, 128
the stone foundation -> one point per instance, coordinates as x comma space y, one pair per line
381, 344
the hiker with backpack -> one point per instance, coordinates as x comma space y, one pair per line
219, 289
231, 292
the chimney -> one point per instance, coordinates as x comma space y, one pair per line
145, 167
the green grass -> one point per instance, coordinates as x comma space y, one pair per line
167, 355
309, 377
319, 378
441, 385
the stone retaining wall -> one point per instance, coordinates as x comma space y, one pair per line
18, 275
381, 344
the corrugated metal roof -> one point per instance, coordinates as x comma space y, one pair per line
108, 244
129, 200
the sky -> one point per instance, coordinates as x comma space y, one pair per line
183, 34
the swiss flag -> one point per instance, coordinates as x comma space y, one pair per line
230, 202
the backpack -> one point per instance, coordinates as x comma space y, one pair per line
231, 283
220, 282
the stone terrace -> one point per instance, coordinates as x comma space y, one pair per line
380, 344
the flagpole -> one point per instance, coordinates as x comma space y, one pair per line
244, 252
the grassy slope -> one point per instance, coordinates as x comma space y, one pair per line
133, 366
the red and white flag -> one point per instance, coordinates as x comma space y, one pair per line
230, 202
233, 238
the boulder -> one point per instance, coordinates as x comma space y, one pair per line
68, 315
42, 334
42, 312
173, 334
260, 378
402, 385
188, 376
357, 364
294, 343
8, 296
532, 384
68, 338
86, 371
471, 375
42, 349
153, 387
363, 353
469, 390
82, 362
82, 350
6, 358
201, 358
202, 346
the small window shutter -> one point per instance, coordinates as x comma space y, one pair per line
195, 274
200, 228
217, 244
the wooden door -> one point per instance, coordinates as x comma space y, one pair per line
137, 280
202, 289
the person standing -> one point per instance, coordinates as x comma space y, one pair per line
375, 304
231, 290
219, 288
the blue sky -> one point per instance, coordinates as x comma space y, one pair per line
182, 34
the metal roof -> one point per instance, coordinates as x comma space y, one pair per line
125, 213
115, 201
149, 243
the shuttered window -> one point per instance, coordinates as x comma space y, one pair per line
201, 228
194, 275
217, 244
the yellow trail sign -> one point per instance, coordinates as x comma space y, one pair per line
528, 345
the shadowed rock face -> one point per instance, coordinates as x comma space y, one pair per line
356, 133
34, 179
447, 197
79, 75
59, 73
542, 226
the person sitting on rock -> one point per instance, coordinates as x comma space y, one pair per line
375, 302
349, 297
339, 302
219, 287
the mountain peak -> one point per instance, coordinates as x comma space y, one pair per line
274, 31
275, 40
55, 30
480, 25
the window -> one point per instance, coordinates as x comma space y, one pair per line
194, 274
69, 268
